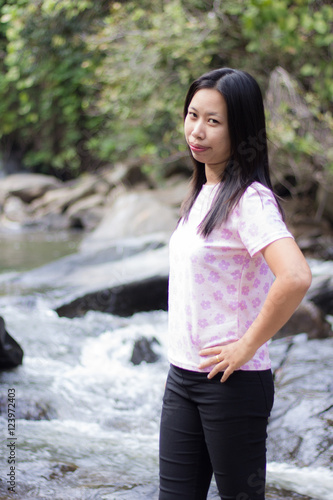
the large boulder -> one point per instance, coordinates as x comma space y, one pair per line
87, 212
11, 353
27, 186
309, 319
134, 214
301, 425
321, 294
148, 294
120, 196
14, 211
58, 201
127, 174
120, 277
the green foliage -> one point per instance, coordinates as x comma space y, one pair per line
149, 62
47, 83
84, 83
297, 35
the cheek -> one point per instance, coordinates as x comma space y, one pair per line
225, 141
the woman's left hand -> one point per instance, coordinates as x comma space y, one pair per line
227, 358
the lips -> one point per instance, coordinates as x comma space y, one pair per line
197, 149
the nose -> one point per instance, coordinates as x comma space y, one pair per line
198, 130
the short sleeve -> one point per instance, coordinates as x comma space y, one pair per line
260, 222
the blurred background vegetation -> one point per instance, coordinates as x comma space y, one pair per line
87, 83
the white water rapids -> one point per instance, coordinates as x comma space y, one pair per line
105, 411
101, 439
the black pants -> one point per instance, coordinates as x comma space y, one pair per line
208, 427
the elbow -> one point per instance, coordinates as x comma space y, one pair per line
302, 279
309, 280
306, 278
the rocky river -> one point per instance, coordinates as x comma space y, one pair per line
89, 310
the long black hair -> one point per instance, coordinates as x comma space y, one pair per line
249, 153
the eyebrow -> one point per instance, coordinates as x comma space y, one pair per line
210, 113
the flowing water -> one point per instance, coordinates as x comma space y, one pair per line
96, 433
20, 251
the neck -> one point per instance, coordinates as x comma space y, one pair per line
213, 176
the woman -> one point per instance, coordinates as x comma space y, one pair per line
236, 276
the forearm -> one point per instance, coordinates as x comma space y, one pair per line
285, 295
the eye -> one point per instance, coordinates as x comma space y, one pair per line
192, 114
213, 121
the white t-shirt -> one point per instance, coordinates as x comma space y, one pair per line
218, 284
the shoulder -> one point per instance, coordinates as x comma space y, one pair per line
257, 189
258, 195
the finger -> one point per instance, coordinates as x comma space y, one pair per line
226, 374
212, 373
210, 351
218, 368
210, 362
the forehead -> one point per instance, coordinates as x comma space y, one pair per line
209, 100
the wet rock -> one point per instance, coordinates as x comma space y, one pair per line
279, 494
126, 173
79, 274
29, 409
309, 319
86, 213
143, 351
321, 294
15, 210
271, 493
130, 215
58, 201
317, 245
47, 203
301, 425
59, 470
11, 353
123, 279
26, 186
125, 300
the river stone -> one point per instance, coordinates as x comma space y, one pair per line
87, 213
29, 409
59, 470
321, 293
307, 318
125, 300
83, 273
26, 186
132, 214
127, 173
281, 494
11, 353
271, 493
143, 351
14, 210
301, 425
59, 200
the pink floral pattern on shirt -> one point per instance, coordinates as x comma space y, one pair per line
218, 285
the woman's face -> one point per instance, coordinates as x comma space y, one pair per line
206, 130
